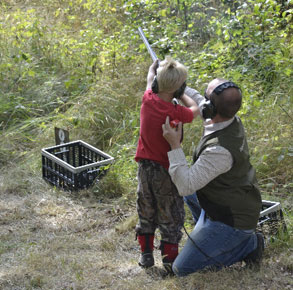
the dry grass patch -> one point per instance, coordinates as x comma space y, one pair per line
52, 240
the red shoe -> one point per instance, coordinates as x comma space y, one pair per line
169, 253
146, 243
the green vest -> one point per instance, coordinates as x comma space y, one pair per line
232, 197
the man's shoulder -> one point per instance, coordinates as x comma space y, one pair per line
213, 142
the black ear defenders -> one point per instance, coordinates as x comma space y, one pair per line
155, 85
177, 94
209, 110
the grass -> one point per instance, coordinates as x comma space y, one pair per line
51, 239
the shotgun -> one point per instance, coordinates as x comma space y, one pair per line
151, 52
154, 57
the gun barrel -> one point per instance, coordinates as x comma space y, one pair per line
151, 52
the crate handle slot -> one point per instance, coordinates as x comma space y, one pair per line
94, 170
61, 152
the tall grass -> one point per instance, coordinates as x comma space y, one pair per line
79, 65
63, 66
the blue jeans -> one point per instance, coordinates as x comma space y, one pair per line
214, 244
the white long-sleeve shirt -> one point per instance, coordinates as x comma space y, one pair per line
213, 161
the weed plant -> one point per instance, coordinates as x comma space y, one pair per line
81, 66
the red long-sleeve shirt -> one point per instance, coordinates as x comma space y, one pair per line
151, 144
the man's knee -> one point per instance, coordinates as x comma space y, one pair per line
177, 270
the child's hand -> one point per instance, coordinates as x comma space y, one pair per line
151, 74
153, 68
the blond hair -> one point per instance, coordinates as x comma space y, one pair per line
171, 74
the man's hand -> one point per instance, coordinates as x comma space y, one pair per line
173, 136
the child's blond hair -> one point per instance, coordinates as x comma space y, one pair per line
171, 74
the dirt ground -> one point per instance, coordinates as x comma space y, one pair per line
55, 240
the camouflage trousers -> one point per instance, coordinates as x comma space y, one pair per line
158, 203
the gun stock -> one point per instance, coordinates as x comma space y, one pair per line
151, 52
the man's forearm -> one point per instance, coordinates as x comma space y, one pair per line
212, 162
196, 96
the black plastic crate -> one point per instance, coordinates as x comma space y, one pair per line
74, 165
271, 220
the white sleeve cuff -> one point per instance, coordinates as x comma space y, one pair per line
176, 156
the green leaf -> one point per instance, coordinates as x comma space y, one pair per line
24, 56
163, 13
31, 73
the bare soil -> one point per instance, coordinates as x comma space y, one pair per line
57, 240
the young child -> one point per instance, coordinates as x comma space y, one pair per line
158, 202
